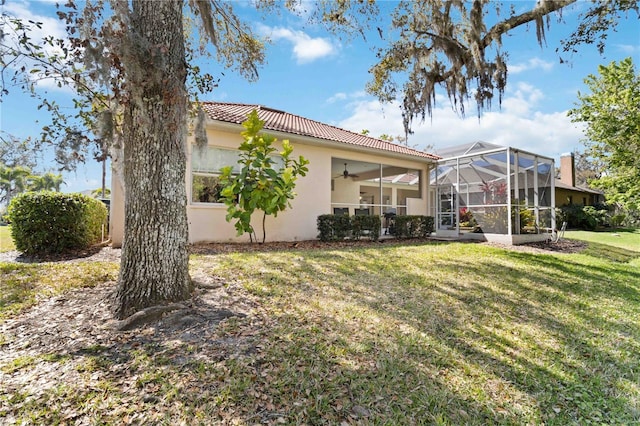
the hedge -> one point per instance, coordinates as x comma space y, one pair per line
413, 226
53, 222
369, 226
332, 227
338, 227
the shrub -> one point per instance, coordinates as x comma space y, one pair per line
618, 219
632, 219
366, 225
413, 226
585, 217
52, 222
333, 227
561, 217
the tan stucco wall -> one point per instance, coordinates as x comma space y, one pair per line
314, 196
116, 212
562, 197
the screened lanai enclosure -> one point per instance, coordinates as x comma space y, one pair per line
491, 192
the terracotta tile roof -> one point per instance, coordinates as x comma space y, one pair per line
281, 121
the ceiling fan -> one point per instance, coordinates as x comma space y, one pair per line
346, 173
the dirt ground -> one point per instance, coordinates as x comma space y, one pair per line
107, 253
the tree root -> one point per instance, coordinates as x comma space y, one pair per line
147, 315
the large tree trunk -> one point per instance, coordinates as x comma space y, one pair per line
154, 265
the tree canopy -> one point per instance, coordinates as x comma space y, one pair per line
611, 112
457, 45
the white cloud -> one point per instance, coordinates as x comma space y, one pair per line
628, 49
523, 99
545, 133
341, 96
305, 48
533, 63
51, 26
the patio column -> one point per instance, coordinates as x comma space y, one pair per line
553, 194
516, 191
509, 224
380, 212
456, 204
536, 197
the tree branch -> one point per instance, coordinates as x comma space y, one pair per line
542, 9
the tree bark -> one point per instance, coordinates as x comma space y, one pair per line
154, 263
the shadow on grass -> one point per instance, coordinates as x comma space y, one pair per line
507, 338
440, 333
611, 253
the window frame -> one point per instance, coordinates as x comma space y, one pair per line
278, 164
208, 174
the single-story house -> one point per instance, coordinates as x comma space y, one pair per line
348, 172
567, 193
351, 173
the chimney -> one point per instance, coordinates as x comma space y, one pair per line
568, 169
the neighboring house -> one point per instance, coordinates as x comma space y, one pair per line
567, 193
380, 175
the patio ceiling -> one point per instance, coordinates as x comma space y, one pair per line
371, 171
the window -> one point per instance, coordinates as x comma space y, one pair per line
205, 172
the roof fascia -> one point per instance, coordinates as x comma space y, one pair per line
225, 125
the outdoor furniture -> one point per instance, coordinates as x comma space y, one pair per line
555, 235
389, 221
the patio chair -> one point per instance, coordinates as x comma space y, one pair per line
555, 235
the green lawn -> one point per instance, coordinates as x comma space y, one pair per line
439, 333
621, 238
6, 242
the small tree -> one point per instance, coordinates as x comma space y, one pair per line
263, 182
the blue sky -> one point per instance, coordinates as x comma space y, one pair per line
312, 73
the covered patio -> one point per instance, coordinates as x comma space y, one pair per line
367, 188
494, 193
